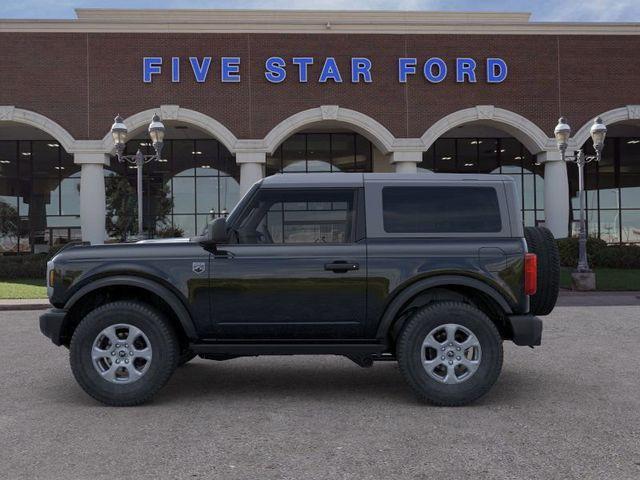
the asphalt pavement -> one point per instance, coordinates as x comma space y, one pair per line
569, 409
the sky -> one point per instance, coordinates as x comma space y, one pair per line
542, 10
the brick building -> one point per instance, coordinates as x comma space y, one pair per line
245, 94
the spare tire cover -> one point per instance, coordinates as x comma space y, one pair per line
540, 241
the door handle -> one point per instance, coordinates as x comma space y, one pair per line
341, 266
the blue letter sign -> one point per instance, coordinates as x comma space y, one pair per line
434, 69
275, 69
150, 66
330, 71
200, 71
496, 70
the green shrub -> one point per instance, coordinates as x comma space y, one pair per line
568, 248
26, 266
617, 256
23, 266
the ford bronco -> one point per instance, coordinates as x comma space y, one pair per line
433, 271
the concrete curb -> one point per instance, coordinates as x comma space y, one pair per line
27, 304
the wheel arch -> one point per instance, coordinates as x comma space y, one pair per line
442, 288
99, 291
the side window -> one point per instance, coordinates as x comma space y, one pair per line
441, 210
299, 216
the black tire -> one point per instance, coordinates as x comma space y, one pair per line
164, 345
186, 356
409, 350
540, 241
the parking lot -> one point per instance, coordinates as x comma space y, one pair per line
569, 409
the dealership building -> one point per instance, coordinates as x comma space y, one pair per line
246, 94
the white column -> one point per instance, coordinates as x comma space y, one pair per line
92, 196
251, 168
556, 193
406, 162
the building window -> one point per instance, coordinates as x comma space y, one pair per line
322, 152
199, 177
506, 156
612, 189
39, 196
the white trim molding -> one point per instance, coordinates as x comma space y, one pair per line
10, 113
629, 112
531, 136
197, 21
363, 124
179, 114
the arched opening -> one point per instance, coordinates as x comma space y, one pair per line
477, 147
197, 180
39, 190
328, 139
612, 186
325, 148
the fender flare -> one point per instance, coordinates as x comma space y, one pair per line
414, 289
174, 302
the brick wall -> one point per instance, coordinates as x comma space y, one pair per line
82, 80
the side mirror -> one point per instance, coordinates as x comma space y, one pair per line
217, 231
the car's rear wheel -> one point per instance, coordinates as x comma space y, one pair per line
123, 352
450, 353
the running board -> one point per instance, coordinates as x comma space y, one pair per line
288, 348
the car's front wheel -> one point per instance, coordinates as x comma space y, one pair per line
450, 353
123, 352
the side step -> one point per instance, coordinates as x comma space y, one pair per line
271, 348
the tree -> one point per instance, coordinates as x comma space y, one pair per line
122, 207
9, 221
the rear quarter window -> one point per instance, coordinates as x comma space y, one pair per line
442, 209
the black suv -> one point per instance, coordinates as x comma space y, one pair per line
432, 270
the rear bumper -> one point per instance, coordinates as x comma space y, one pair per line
51, 323
527, 330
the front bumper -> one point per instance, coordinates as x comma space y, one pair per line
527, 330
52, 323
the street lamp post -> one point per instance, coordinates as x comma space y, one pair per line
119, 133
562, 133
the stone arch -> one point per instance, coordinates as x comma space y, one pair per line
177, 113
373, 130
629, 112
9, 113
527, 132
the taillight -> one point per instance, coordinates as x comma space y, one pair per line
530, 273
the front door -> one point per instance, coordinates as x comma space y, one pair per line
295, 268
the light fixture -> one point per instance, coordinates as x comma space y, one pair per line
469, 164
476, 142
25, 154
447, 158
598, 133
53, 145
517, 158
4, 162
196, 152
156, 132
205, 166
632, 142
562, 133
58, 168
119, 133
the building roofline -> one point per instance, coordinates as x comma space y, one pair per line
311, 21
